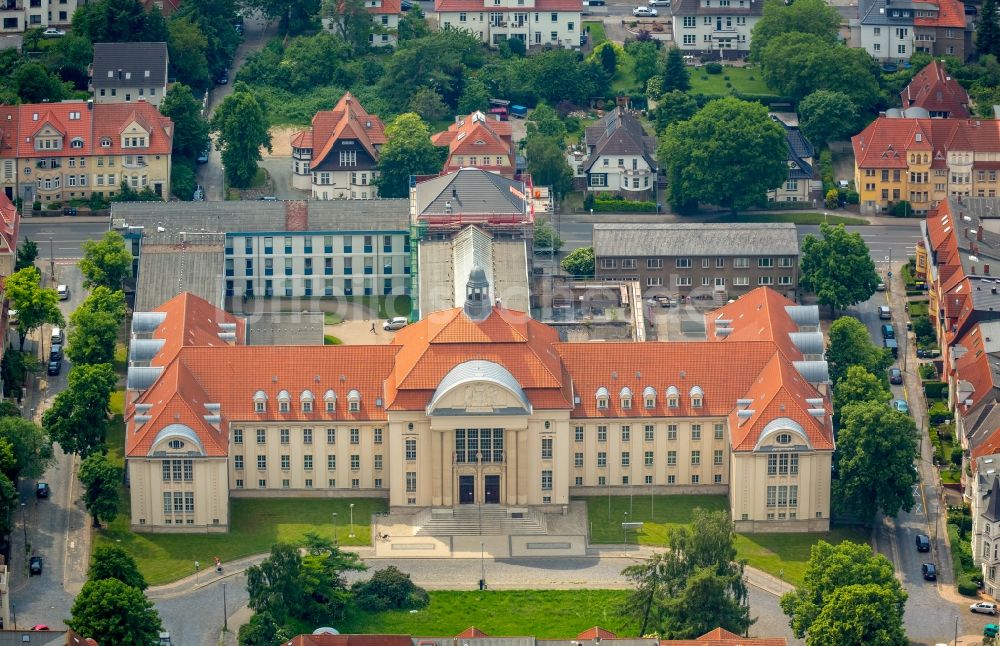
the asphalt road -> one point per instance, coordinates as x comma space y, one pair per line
66, 234
52, 526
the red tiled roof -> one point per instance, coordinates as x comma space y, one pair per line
350, 640
480, 136
191, 321
10, 221
471, 631
387, 6
951, 13
886, 142
347, 120
758, 315
933, 89
722, 637
480, 5
75, 120
597, 631
302, 139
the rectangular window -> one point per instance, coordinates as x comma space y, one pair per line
238, 436
284, 436
648, 458
546, 480
307, 462
602, 433
626, 458
718, 431
696, 431
602, 459
238, 462
546, 448
377, 436
626, 434
648, 432
695, 457
671, 479
261, 437
355, 461
411, 481
355, 436
578, 459
286, 463
671, 431
578, 434
307, 436
411, 449
717, 457
378, 461
261, 462
683, 263
331, 462
671, 458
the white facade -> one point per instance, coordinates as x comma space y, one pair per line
887, 42
344, 185
627, 174
716, 25
985, 524
17, 16
388, 23
528, 20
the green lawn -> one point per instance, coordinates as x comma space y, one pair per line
786, 555
918, 308
546, 614
256, 525
596, 29
747, 80
797, 218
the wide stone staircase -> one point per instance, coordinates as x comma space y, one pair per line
481, 520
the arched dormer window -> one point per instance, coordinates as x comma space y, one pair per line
306, 399
330, 399
354, 401
260, 402
105, 142
625, 398
602, 398
673, 397
649, 397
76, 142
697, 396
284, 401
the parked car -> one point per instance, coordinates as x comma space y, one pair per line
63, 291
901, 406
880, 287
34, 565
884, 313
923, 543
644, 12
405, 5
42, 490
55, 367
888, 332
984, 608
891, 346
39, 627
595, 3
203, 156
70, 210
895, 376
52, 32
929, 571
659, 3
223, 78
56, 352
199, 194
395, 323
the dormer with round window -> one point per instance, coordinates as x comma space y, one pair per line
76, 142
354, 401
673, 397
625, 398
105, 142
306, 400
260, 402
697, 397
284, 402
602, 398
330, 401
649, 397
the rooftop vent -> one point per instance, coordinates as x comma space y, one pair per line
818, 412
745, 413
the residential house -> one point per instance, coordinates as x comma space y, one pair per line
478, 141
18, 16
925, 161
43, 638
892, 30
472, 196
210, 418
618, 157
385, 16
125, 72
934, 90
534, 22
55, 152
10, 224
715, 28
337, 157
985, 508
803, 183
702, 261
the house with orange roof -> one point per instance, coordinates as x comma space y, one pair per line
385, 16
893, 31
10, 222
56, 152
536, 23
479, 404
924, 161
934, 90
337, 157
478, 141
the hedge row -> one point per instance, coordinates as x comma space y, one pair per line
623, 206
934, 389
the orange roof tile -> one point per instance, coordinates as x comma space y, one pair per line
347, 120
758, 315
951, 13
886, 141
935, 90
480, 136
471, 631
191, 321
597, 631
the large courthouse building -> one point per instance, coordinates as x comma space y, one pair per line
479, 405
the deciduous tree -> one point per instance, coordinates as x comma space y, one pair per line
838, 267
101, 478
407, 151
546, 236
428, 104
729, 153
242, 130
31, 447
848, 569
798, 64
475, 96
545, 121
876, 448
35, 84
850, 345
579, 262
827, 116
350, 20
78, 417
26, 254
805, 16
113, 562
106, 261
35, 304
119, 613
859, 385
672, 107
547, 164
389, 589
645, 59
94, 327
294, 16
190, 129
188, 58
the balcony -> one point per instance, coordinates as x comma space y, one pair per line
138, 163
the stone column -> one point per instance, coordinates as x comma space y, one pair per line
522, 467
510, 474
437, 468
447, 468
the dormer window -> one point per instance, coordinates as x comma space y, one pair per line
175, 444
649, 397
602, 398
105, 142
354, 401
696, 397
307, 401
259, 402
625, 397
673, 397
783, 438
76, 142
330, 399
284, 402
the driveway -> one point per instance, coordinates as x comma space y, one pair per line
280, 170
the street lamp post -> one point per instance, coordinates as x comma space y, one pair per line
52, 262
335, 540
225, 612
482, 565
351, 535
625, 527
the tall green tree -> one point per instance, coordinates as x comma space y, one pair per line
106, 261
78, 417
988, 30
101, 478
672, 107
440, 61
35, 84
804, 16
645, 59
838, 267
675, 74
730, 153
475, 96
407, 151
263, 630
428, 103
798, 64
188, 49
579, 262
838, 579
859, 385
294, 16
113, 562
31, 446
413, 24
94, 326
545, 121
548, 166
608, 58
876, 448
26, 254
35, 304
827, 116
119, 613
848, 344
190, 129
242, 130
350, 20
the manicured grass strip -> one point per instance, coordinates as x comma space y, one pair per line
667, 511
256, 525
546, 614
786, 555
739, 78
797, 218
596, 29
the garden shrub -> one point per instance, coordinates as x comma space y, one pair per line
956, 456
934, 389
966, 585
939, 413
713, 68
927, 371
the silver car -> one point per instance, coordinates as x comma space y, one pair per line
984, 607
395, 323
644, 12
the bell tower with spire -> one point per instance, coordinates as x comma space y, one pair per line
478, 303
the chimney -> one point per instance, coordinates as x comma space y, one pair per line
986, 270
979, 233
90, 104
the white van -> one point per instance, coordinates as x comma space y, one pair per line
57, 336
